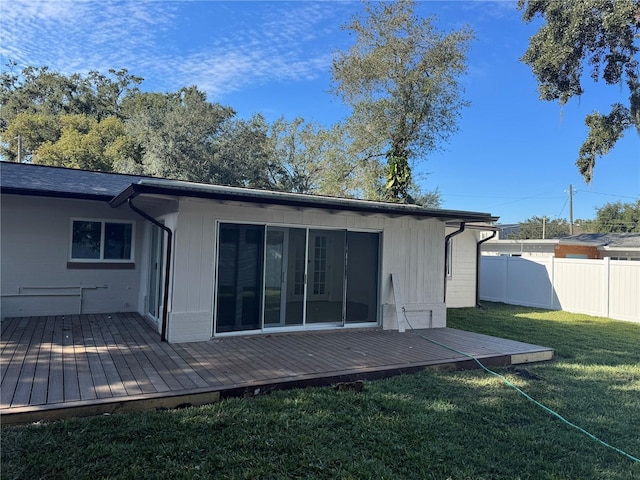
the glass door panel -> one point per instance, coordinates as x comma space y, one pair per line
274, 277
240, 274
362, 277
325, 276
294, 277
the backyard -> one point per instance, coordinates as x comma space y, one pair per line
436, 424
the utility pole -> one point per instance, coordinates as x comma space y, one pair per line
544, 227
570, 209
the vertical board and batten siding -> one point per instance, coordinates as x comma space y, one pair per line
412, 248
34, 253
461, 284
607, 288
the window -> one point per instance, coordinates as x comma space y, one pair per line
101, 241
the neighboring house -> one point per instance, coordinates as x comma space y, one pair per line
617, 246
506, 229
463, 262
204, 260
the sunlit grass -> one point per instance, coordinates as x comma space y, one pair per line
439, 425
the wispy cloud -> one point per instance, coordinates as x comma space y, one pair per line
232, 46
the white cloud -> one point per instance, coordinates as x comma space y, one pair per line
165, 42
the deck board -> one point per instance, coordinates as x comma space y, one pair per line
69, 367
88, 362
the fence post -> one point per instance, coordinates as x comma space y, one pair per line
505, 288
607, 281
552, 282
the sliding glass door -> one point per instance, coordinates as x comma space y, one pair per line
326, 280
281, 277
362, 277
284, 277
240, 271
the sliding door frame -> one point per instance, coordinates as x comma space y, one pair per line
304, 325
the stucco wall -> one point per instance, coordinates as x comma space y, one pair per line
35, 250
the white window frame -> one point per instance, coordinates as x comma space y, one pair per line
449, 259
103, 223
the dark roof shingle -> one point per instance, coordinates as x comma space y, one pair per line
39, 180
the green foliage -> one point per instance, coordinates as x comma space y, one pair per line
87, 144
106, 123
400, 77
604, 132
431, 425
243, 155
41, 90
316, 160
618, 217
178, 133
398, 176
601, 35
33, 129
541, 227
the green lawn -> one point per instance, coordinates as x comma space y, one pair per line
437, 424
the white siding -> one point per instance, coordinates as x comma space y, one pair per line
413, 249
34, 253
461, 284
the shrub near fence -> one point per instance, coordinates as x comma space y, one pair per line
607, 288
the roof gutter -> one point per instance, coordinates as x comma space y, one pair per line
478, 253
446, 255
167, 263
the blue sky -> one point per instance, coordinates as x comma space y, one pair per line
513, 155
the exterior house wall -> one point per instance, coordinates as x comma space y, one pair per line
413, 250
34, 253
461, 283
568, 251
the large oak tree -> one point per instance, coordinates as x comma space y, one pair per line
600, 36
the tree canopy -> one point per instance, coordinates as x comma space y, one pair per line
600, 36
400, 78
614, 217
618, 217
541, 228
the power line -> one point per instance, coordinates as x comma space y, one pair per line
608, 194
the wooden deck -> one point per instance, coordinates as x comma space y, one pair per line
54, 367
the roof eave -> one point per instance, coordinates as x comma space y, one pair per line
298, 201
54, 194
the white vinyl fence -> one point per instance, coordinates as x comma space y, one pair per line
606, 288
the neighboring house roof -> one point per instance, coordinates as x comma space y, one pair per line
602, 241
26, 179
617, 240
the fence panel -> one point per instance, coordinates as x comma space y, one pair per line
581, 285
528, 281
493, 279
624, 290
608, 288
